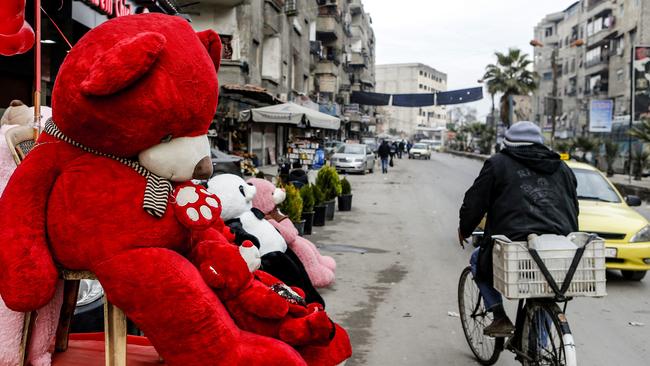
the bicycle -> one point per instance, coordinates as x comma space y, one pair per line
542, 334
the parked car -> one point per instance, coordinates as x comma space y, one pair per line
604, 211
223, 163
420, 151
434, 145
331, 147
357, 158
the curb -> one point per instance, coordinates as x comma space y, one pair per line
468, 155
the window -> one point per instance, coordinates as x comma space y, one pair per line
620, 75
548, 76
621, 11
421, 73
548, 32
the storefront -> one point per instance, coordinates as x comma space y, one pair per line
74, 18
287, 131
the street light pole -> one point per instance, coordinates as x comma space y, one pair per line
554, 93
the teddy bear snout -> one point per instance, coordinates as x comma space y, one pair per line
279, 195
203, 169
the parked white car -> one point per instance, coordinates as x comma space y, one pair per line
357, 158
420, 151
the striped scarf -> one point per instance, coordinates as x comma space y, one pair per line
158, 189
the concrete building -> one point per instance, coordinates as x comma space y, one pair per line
411, 78
287, 50
592, 42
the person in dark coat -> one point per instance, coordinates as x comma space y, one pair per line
524, 189
400, 148
384, 154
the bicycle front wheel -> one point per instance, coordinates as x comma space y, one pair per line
474, 318
546, 338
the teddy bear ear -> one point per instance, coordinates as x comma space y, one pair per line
212, 43
123, 64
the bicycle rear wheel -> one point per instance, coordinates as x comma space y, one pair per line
546, 337
474, 318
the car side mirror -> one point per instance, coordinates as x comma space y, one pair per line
633, 201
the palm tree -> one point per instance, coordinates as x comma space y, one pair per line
511, 75
611, 153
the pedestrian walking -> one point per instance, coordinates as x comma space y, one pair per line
400, 148
384, 154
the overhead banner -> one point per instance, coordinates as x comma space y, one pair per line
641, 83
601, 114
418, 99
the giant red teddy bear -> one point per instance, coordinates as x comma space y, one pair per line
132, 104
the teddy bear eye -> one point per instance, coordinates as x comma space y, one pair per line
166, 138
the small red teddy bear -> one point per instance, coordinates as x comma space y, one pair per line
257, 301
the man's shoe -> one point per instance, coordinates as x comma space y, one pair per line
501, 327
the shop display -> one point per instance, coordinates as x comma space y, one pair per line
118, 225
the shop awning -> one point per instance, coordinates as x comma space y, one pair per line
292, 114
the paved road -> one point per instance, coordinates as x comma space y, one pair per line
398, 266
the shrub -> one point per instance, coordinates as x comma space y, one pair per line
308, 200
292, 205
319, 196
329, 182
346, 188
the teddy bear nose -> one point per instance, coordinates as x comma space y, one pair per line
203, 169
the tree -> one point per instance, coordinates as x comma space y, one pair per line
611, 152
511, 75
586, 145
462, 115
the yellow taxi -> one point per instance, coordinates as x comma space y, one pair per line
605, 212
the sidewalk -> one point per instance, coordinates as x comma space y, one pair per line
639, 188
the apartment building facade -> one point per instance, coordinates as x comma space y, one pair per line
411, 78
287, 51
591, 42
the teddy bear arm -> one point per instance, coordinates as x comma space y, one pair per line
27, 272
263, 302
286, 229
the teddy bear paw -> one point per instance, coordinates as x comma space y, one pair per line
195, 207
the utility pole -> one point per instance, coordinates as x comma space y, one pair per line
554, 98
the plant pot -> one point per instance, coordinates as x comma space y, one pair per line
331, 207
319, 215
309, 221
345, 202
300, 226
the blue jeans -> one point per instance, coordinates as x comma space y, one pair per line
490, 296
384, 165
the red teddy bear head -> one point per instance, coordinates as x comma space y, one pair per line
135, 81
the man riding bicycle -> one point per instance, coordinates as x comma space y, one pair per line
523, 189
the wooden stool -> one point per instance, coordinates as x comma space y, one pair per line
114, 322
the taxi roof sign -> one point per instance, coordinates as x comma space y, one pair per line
565, 156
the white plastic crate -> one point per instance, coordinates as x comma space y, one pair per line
517, 276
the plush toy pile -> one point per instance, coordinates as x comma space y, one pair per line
105, 189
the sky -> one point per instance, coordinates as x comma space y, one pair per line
457, 37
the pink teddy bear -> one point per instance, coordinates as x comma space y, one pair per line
320, 268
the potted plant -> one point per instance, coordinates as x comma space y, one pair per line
307, 195
330, 184
320, 209
292, 207
345, 199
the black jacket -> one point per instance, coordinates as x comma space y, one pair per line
522, 190
383, 151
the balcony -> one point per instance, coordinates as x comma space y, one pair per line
315, 48
291, 7
327, 67
597, 64
328, 27
355, 7
358, 59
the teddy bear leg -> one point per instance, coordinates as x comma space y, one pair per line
319, 275
335, 353
314, 328
164, 294
288, 269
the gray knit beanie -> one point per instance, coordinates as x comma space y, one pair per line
523, 133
